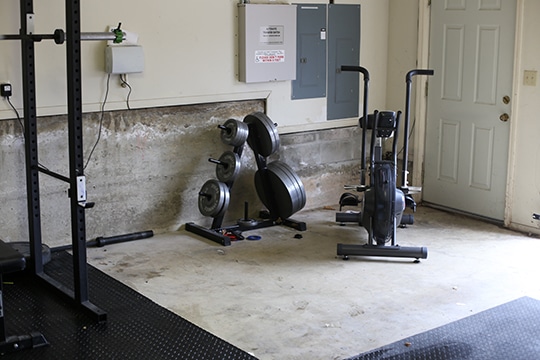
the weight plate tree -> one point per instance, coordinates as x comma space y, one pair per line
214, 196
277, 185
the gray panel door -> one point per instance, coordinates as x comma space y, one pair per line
311, 52
343, 49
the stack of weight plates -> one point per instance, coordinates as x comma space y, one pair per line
228, 167
214, 195
263, 136
277, 185
280, 189
214, 198
234, 132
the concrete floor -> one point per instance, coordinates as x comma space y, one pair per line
288, 298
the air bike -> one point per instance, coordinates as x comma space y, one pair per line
383, 202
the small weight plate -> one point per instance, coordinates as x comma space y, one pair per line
213, 198
235, 133
263, 137
229, 167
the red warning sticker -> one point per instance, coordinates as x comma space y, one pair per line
269, 56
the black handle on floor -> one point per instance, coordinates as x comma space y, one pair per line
102, 241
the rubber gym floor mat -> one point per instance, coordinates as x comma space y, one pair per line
136, 327
508, 331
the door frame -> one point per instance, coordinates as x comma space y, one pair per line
424, 23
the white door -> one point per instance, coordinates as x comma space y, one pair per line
467, 130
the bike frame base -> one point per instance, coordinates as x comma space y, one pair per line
347, 250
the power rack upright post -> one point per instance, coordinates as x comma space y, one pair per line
72, 36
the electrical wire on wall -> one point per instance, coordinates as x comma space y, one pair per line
123, 80
21, 124
124, 83
102, 113
16, 113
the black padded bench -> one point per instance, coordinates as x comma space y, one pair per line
12, 261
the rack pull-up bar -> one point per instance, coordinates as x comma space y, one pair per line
59, 36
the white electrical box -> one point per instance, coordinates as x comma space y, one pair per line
124, 59
267, 42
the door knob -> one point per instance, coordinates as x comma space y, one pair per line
504, 117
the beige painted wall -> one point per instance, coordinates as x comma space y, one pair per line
402, 55
190, 57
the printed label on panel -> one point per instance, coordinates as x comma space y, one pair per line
269, 56
271, 34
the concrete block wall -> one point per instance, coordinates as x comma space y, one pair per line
325, 160
149, 165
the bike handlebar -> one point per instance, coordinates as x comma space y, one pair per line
361, 69
414, 72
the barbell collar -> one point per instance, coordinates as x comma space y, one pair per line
103, 36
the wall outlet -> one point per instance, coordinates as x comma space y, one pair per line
5, 89
529, 77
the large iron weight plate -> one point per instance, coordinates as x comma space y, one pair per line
234, 132
263, 135
300, 200
278, 191
228, 167
214, 198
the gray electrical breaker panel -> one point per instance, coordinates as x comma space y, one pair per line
311, 52
267, 42
343, 49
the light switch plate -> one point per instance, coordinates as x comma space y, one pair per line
529, 77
